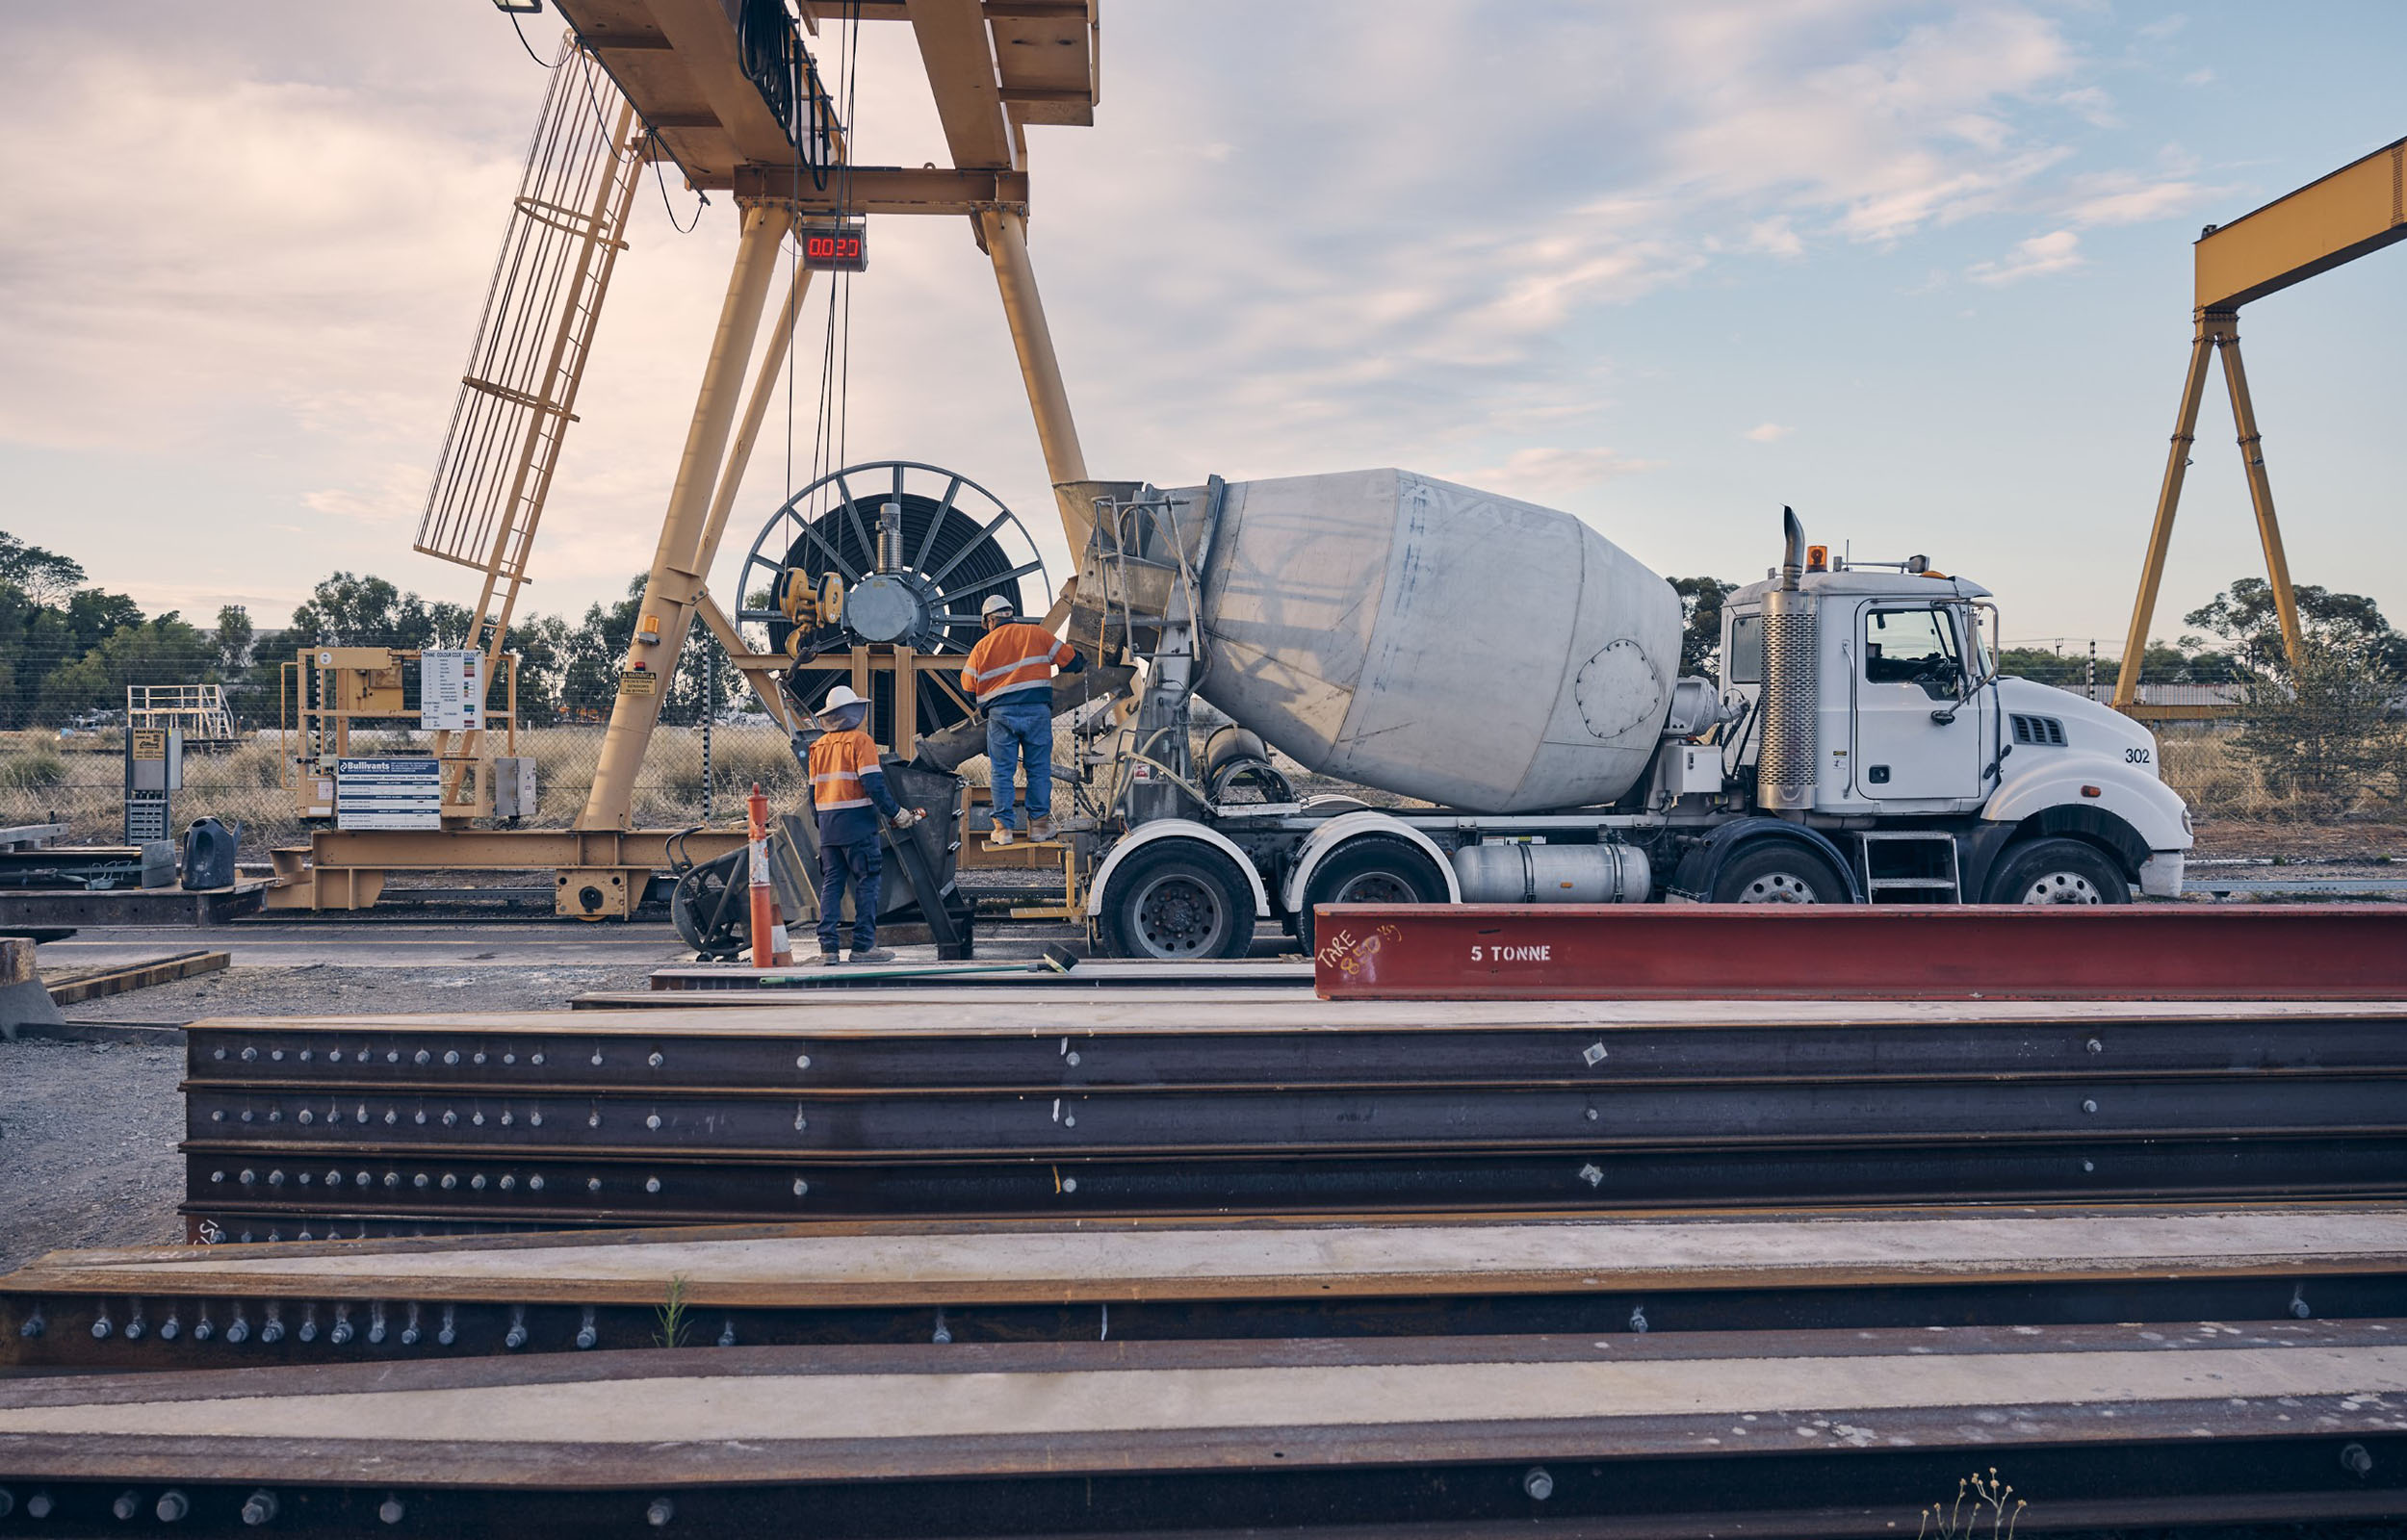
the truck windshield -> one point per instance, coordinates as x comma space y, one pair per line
1911, 647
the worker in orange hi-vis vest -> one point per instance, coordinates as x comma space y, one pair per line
1010, 675
848, 792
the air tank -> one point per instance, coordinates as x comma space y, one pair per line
1433, 640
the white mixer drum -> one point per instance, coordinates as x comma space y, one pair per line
1435, 641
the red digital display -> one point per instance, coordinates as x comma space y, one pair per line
835, 251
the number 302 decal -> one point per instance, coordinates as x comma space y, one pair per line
2134, 757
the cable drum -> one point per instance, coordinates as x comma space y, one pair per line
916, 583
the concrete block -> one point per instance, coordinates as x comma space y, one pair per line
23, 1001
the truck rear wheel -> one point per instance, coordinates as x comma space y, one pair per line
2058, 871
1178, 900
1371, 869
1779, 872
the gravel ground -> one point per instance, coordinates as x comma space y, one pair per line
88, 1130
87, 1135
2352, 843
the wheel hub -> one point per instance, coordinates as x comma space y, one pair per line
1778, 888
2063, 888
1178, 916
1373, 887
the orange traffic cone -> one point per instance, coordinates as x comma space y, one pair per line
781, 946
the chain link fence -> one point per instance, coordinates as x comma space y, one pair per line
2293, 758
78, 779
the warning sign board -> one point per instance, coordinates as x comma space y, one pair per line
450, 690
388, 794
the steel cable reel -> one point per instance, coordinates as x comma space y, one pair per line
912, 550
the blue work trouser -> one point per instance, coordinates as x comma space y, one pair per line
1021, 730
858, 862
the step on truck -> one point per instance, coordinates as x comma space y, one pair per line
1508, 680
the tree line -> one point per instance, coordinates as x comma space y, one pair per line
68, 649
2237, 640
2326, 731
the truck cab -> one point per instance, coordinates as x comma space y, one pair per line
2043, 795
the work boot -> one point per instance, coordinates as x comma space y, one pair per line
1041, 831
1001, 834
875, 954
828, 960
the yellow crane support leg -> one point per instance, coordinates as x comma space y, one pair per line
1006, 236
2260, 493
2218, 334
2169, 501
677, 564
2357, 210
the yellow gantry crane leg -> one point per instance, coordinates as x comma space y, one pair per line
680, 563
2358, 209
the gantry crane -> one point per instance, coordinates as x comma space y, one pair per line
2360, 208
726, 92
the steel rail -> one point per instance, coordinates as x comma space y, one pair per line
987, 1281
336, 1126
1062, 1052
1808, 1434
1250, 1122
1786, 952
472, 1188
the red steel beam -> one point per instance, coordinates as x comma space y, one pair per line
1886, 952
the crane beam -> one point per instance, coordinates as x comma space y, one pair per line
882, 190
2334, 219
961, 67
2358, 209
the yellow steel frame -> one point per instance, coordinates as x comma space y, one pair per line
2359, 209
364, 684
678, 62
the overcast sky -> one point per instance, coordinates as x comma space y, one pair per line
1921, 269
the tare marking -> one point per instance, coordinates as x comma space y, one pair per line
1511, 953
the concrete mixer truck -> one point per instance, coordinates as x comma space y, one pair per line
1512, 676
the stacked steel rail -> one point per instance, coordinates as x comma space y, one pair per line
1797, 1378
960, 1282
1067, 1105
1222, 1261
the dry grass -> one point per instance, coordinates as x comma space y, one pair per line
245, 786
2212, 776
2205, 764
79, 781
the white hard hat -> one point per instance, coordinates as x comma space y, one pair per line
995, 604
839, 698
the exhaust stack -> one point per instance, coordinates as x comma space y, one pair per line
1792, 687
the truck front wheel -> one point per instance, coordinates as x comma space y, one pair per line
1370, 869
1779, 873
2058, 871
1178, 900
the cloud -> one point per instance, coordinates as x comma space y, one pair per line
2091, 105
2058, 251
1543, 473
1774, 237
2204, 75
2164, 27
1768, 432
2121, 198
1378, 254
